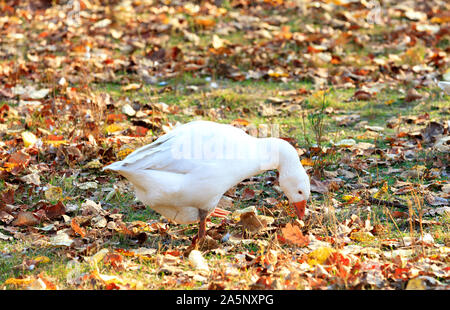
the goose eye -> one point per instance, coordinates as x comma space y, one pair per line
300, 192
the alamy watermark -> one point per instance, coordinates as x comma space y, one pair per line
203, 145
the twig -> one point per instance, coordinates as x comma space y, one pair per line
391, 204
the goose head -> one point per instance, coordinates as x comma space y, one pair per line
296, 187
294, 181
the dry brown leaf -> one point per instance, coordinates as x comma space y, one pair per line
251, 222
25, 219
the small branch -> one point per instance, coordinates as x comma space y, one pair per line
387, 203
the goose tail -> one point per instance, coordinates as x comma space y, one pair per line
117, 166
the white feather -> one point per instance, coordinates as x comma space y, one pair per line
191, 167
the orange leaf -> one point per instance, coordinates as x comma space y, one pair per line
19, 158
114, 259
43, 34
115, 118
285, 33
55, 138
48, 284
294, 235
240, 121
77, 229
205, 22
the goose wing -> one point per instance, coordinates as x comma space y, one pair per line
192, 146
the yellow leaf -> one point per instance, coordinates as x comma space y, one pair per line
97, 257
307, 162
318, 94
446, 75
53, 193
93, 164
29, 139
382, 191
124, 152
319, 256
19, 282
416, 284
55, 142
277, 73
41, 259
351, 198
113, 128
106, 278
9, 166
362, 236
378, 194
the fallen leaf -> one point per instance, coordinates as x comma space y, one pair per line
307, 162
97, 257
54, 211
400, 214
198, 261
350, 198
435, 200
362, 236
205, 22
217, 42
115, 260
416, 284
362, 95
251, 222
346, 143
294, 235
319, 256
19, 158
248, 194
132, 86
53, 193
18, 281
61, 239
29, 139
25, 219
318, 186
32, 178
77, 229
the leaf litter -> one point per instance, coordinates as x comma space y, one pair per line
55, 125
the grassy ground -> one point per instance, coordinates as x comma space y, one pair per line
136, 248
235, 99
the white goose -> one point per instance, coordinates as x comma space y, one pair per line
184, 173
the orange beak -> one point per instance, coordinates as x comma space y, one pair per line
300, 208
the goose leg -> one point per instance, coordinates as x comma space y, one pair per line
198, 240
202, 226
203, 215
